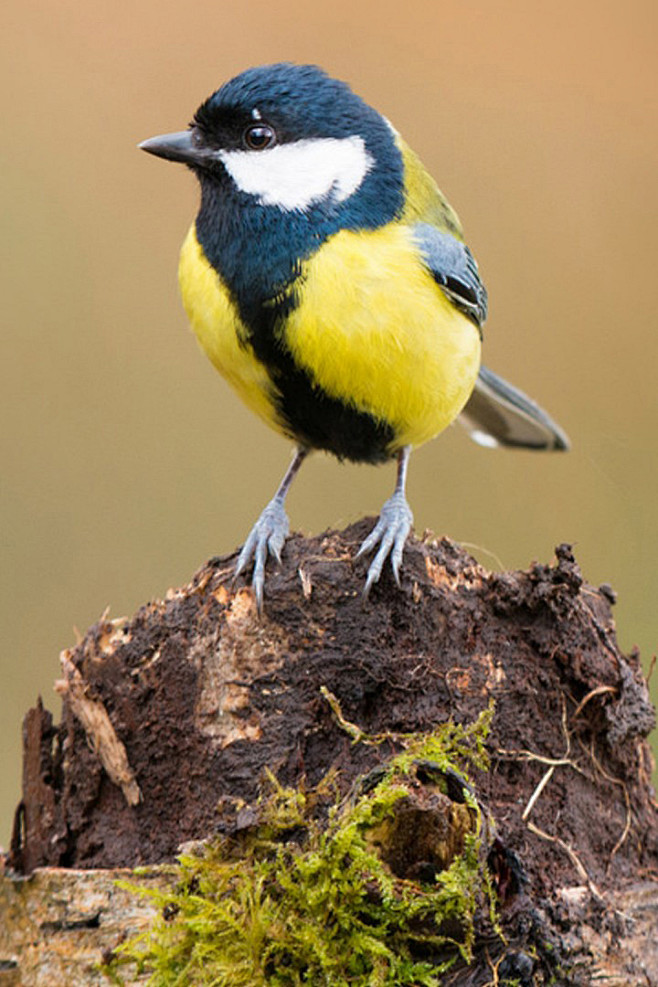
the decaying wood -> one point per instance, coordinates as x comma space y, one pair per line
98, 728
58, 925
192, 699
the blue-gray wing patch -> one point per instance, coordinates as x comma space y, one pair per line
454, 269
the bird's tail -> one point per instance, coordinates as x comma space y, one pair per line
497, 414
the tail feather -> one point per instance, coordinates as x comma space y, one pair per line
497, 414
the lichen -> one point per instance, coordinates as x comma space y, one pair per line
302, 894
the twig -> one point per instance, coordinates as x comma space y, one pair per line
494, 970
600, 690
552, 762
573, 856
523, 755
627, 828
486, 551
97, 725
537, 792
629, 812
307, 585
354, 731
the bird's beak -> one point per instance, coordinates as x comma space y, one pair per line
177, 147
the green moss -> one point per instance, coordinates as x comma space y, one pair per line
304, 897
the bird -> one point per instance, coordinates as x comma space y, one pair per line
327, 279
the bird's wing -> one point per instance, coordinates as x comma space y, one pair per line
454, 269
498, 414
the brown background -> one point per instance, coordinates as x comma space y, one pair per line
126, 462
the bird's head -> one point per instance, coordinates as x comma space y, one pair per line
291, 138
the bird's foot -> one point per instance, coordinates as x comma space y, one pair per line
390, 533
267, 536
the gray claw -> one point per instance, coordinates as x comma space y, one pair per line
390, 533
267, 536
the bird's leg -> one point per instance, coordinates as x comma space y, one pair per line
270, 531
392, 528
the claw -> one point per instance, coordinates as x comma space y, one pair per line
391, 530
267, 537
390, 533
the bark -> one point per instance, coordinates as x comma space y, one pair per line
59, 925
170, 719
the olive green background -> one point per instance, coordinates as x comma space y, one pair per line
126, 461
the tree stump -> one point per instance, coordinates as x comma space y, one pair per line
172, 718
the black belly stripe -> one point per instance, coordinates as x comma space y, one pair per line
322, 422
264, 285
306, 412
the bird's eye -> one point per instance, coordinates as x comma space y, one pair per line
259, 136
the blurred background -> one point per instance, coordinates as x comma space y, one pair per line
126, 461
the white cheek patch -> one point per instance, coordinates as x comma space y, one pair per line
294, 176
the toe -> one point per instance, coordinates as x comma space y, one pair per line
267, 536
390, 534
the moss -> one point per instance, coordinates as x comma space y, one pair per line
304, 896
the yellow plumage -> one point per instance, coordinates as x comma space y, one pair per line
218, 328
374, 330
327, 279
371, 328
424, 201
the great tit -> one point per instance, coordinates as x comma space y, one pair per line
327, 279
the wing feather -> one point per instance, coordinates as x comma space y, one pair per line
498, 414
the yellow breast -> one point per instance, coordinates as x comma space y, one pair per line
374, 329
220, 331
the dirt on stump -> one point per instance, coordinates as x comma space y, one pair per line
175, 713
